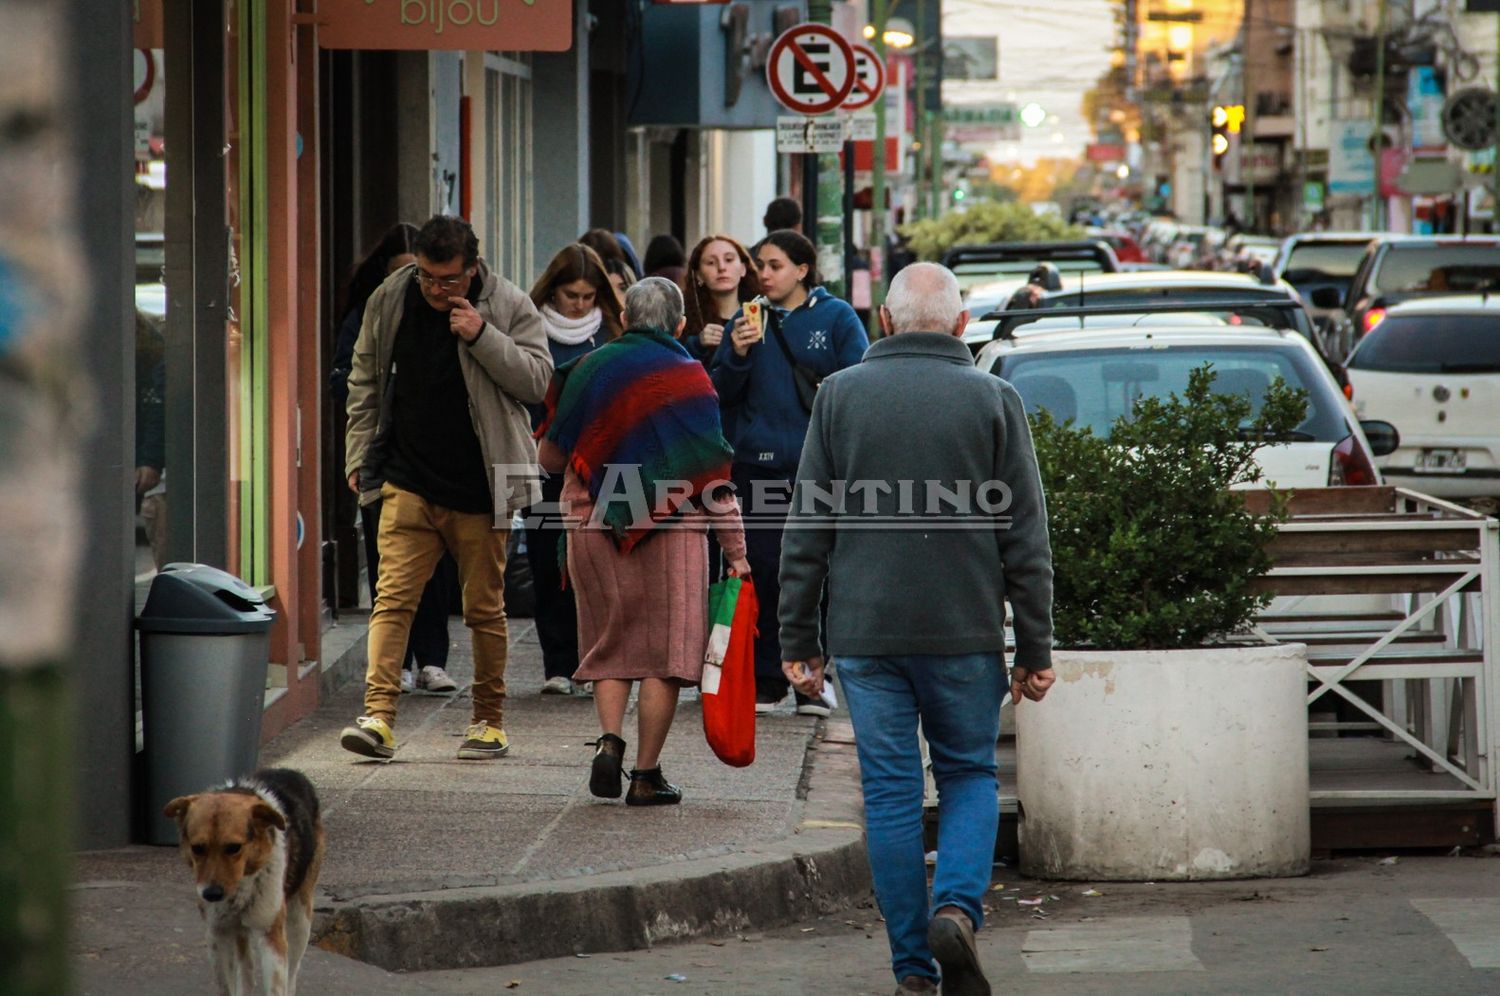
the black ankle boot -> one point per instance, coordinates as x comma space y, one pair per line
605, 780
649, 788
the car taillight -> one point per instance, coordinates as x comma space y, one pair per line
1374, 317
1351, 465
1349, 393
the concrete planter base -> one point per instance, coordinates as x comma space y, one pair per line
1161, 765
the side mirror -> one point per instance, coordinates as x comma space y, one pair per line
1327, 298
1383, 437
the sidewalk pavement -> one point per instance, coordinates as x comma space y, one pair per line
436, 863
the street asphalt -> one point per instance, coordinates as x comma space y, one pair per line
482, 877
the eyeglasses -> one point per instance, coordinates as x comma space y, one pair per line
454, 282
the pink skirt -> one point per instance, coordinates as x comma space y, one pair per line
642, 614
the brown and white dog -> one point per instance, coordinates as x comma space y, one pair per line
255, 847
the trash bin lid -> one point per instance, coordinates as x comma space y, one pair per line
196, 598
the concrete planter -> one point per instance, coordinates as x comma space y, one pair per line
1157, 765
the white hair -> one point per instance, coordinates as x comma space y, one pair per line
654, 303
924, 297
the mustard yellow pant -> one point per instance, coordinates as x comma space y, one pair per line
413, 534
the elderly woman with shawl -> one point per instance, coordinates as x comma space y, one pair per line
635, 427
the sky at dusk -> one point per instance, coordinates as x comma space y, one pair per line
1050, 53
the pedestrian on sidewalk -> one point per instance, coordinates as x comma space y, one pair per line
639, 507
447, 446
426, 663
580, 312
665, 258
916, 610
720, 279
808, 334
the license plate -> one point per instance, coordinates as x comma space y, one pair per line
1442, 461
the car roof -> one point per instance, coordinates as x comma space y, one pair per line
1350, 236
1479, 304
1175, 280
1024, 250
1436, 241
1053, 340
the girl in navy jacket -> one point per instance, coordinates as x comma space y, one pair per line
765, 420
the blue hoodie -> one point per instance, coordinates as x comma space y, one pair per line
763, 418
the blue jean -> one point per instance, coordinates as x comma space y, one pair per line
957, 697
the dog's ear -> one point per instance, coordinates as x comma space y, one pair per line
266, 815
178, 807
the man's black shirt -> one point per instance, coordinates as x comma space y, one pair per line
434, 450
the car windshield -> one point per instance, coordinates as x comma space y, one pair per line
1333, 262
1454, 269
1093, 387
1433, 343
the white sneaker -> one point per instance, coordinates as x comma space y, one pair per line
584, 688
406, 681
557, 685
435, 679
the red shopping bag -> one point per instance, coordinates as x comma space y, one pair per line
728, 685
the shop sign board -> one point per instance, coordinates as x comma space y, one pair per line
445, 25
810, 69
1261, 163
146, 23
1351, 167
1424, 101
983, 124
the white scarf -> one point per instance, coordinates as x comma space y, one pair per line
571, 331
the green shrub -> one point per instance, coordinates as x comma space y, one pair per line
984, 221
1150, 548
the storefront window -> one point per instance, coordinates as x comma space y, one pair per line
508, 166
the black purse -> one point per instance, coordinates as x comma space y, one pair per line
805, 379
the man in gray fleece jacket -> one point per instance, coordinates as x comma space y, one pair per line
919, 505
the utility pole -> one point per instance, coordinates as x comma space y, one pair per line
1247, 123
920, 119
878, 16
1303, 40
1377, 140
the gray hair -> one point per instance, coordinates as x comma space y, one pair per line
924, 297
654, 303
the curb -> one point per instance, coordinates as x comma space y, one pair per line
819, 869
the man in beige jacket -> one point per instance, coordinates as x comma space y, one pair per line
447, 447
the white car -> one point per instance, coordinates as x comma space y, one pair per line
1092, 376
1432, 367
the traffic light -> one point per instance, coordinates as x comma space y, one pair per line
1226, 120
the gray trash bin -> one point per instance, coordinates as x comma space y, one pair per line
205, 643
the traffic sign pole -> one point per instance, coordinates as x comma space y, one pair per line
878, 16
811, 70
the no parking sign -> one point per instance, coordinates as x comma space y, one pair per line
811, 69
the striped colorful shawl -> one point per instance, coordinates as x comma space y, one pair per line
639, 401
